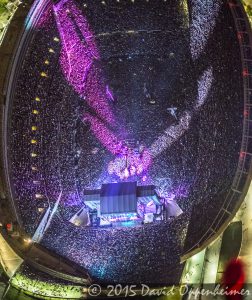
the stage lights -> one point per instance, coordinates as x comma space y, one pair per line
27, 240
43, 74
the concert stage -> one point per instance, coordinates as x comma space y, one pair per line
117, 203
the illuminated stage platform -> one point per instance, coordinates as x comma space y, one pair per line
119, 202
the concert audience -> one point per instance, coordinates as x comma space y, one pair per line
53, 147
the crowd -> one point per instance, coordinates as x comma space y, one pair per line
141, 254
213, 185
204, 17
77, 125
35, 282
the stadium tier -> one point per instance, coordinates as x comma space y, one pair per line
124, 131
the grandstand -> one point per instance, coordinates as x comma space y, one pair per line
115, 93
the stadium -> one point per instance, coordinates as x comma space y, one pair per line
126, 142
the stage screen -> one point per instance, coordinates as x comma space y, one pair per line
118, 198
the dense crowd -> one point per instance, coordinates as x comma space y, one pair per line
36, 282
184, 108
202, 24
120, 255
